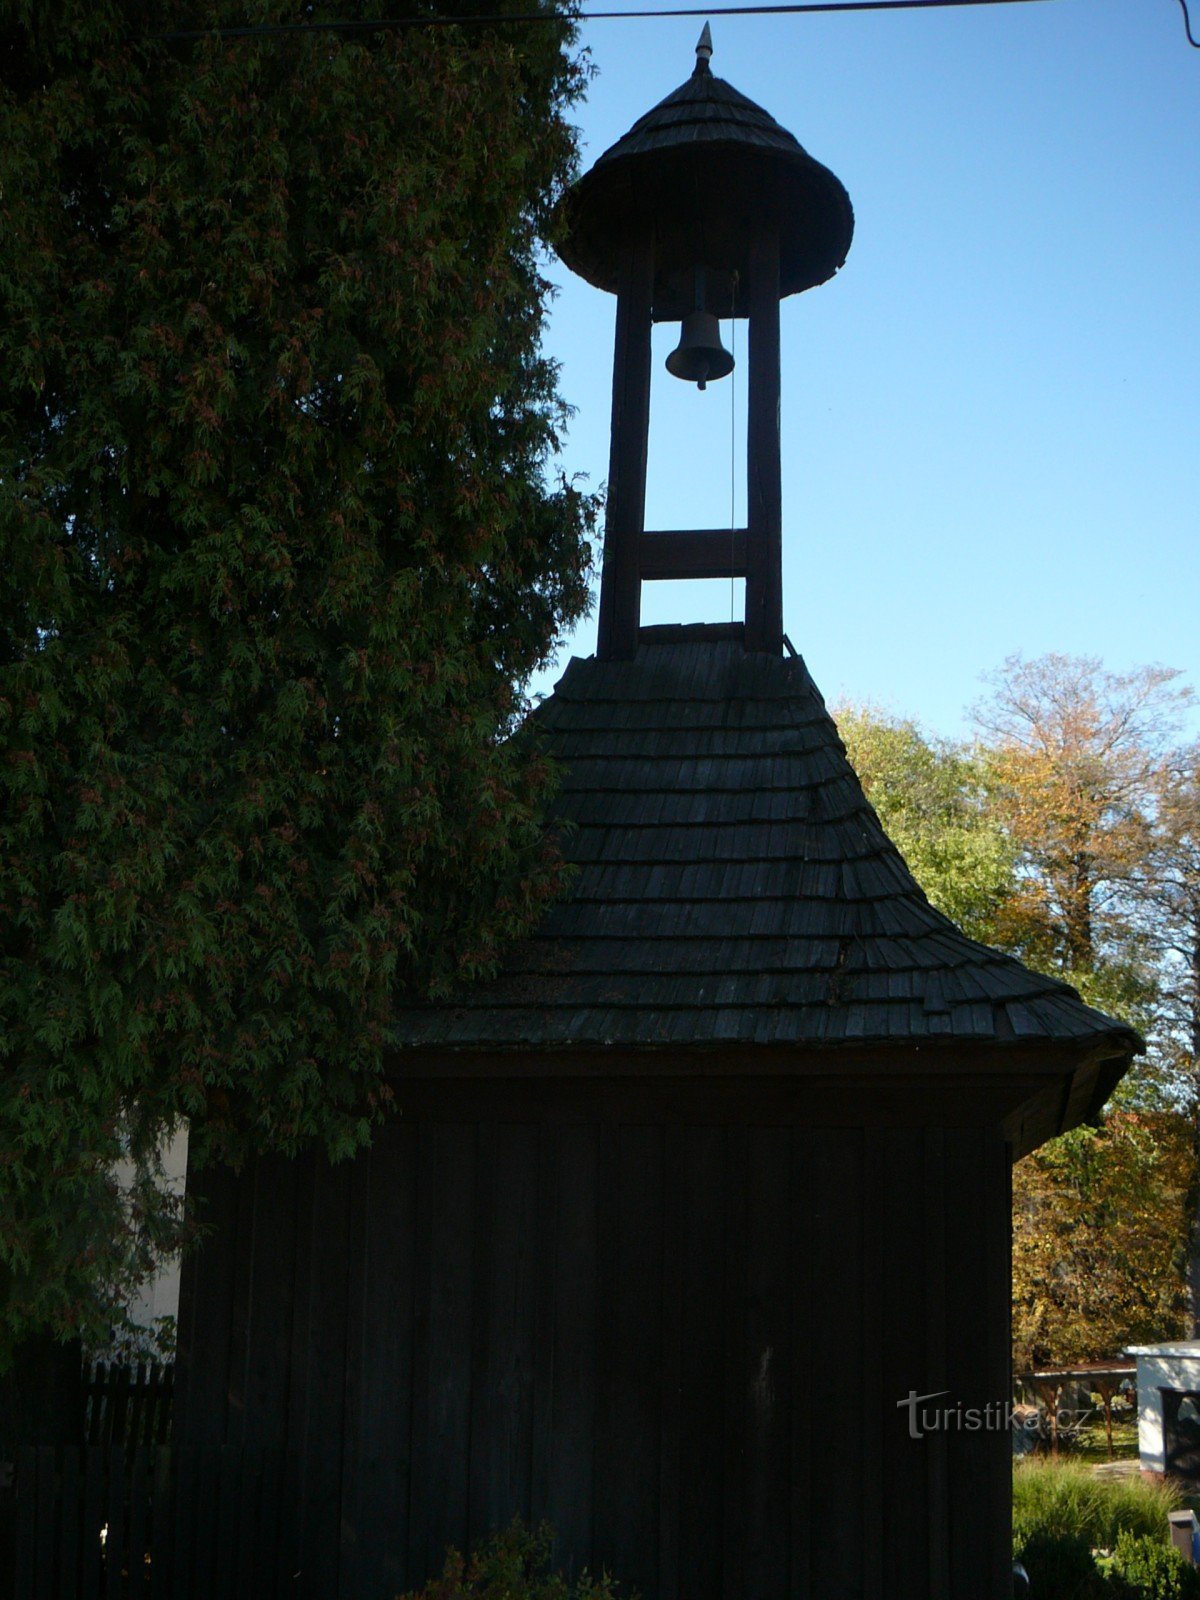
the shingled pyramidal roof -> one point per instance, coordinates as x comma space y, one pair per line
732, 885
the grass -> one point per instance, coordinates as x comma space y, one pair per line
1066, 1497
1091, 1442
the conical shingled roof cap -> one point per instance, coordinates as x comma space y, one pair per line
704, 168
735, 887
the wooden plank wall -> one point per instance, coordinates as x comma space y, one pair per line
683, 1345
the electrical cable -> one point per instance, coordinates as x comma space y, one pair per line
364, 25
1187, 26
733, 446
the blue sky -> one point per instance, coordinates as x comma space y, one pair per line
991, 428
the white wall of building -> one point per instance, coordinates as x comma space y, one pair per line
1161, 1366
160, 1295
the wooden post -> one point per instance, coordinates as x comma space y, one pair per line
621, 580
764, 553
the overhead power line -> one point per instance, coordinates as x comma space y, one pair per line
485, 19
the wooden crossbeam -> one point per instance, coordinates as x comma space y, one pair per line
694, 553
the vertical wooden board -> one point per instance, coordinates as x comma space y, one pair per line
998, 1246
120, 1381
677, 1220
545, 1234
206, 1528
937, 1468
185, 1476
735, 1380
877, 1207
836, 1245
205, 1310
138, 1524
161, 1525
502, 1354
268, 1322
9, 1514
24, 1540
567, 1505
95, 1400
351, 1531
229, 1497
442, 1369
964, 1285
272, 1579
972, 1453
243, 1247
809, 1398
326, 1379
115, 1543
166, 1405
93, 1521
376, 1487
904, 1290
628, 1425
71, 1524
294, 1333
766, 1354
248, 1467
701, 1180
47, 1535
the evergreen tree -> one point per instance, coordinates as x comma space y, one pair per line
279, 551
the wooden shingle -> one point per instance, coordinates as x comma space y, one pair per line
733, 883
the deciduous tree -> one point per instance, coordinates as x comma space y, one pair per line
932, 800
1168, 895
1168, 885
1070, 835
1074, 755
1100, 1226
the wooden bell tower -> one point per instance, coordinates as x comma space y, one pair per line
693, 1238
707, 188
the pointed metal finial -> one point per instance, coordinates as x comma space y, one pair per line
704, 50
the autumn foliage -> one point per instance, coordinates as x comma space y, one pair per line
279, 549
1101, 1220
1068, 832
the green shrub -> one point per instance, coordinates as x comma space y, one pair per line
515, 1565
1061, 1567
1058, 1497
1153, 1569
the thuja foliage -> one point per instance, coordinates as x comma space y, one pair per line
279, 549
514, 1565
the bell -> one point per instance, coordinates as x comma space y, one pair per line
700, 355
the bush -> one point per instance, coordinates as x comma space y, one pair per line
1061, 1567
515, 1565
1055, 1497
1154, 1570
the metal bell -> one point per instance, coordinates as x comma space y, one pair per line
700, 355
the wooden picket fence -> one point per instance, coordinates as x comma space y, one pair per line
107, 1523
128, 1404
